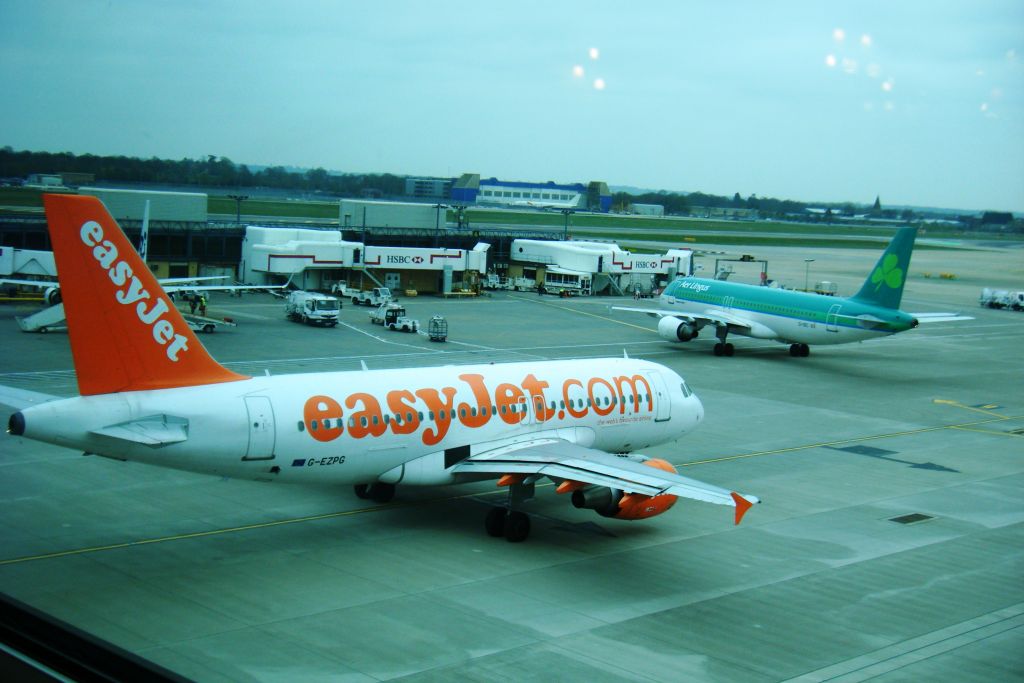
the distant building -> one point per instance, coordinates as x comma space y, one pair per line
428, 188
178, 207
44, 180
359, 214
725, 212
63, 179
648, 209
470, 189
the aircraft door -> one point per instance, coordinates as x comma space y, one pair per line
527, 409
659, 394
261, 428
832, 319
392, 281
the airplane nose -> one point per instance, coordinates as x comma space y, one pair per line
699, 409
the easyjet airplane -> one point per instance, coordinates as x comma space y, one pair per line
151, 393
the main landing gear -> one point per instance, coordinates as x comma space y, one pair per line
378, 492
723, 348
799, 350
510, 522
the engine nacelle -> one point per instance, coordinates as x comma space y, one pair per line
675, 329
609, 502
52, 296
601, 499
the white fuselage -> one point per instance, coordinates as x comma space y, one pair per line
392, 425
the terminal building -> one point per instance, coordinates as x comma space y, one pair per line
404, 246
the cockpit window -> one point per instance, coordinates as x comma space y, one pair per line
686, 390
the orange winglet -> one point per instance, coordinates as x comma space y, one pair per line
510, 479
568, 486
742, 505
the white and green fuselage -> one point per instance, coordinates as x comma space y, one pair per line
786, 316
800, 319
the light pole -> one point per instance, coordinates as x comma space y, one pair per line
437, 220
566, 213
807, 271
239, 198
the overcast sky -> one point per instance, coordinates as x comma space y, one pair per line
921, 103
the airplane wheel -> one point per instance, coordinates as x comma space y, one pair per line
382, 493
495, 522
794, 350
362, 491
805, 350
517, 527
729, 349
719, 349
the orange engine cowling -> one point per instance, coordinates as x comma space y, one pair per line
609, 502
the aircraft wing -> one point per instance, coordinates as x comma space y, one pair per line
716, 317
23, 398
29, 283
181, 280
216, 288
940, 317
561, 461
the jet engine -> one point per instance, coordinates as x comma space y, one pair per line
675, 329
52, 296
609, 502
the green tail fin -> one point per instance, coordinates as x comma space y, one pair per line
884, 287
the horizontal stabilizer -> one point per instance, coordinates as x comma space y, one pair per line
23, 398
940, 317
155, 430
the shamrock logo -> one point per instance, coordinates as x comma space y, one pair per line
888, 273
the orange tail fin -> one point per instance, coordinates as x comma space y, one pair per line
125, 333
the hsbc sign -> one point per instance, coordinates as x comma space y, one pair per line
411, 258
403, 260
647, 265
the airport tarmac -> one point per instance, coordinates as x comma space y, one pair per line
224, 580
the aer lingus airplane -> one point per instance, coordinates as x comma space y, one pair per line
795, 318
151, 393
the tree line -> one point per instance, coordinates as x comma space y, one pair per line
680, 204
220, 172
211, 171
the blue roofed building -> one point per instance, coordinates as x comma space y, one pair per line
471, 189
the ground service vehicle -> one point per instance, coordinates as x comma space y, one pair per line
393, 317
1001, 298
437, 329
373, 297
313, 308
